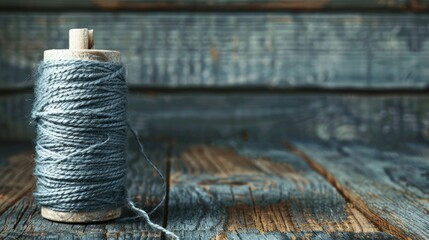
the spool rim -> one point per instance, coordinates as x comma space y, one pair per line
81, 217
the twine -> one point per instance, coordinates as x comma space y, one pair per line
80, 112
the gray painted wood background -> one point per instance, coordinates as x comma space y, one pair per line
239, 45
287, 50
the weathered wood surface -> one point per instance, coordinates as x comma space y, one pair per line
321, 5
391, 187
15, 172
251, 191
279, 50
340, 118
23, 219
234, 189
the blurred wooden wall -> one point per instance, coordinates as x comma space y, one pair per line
339, 69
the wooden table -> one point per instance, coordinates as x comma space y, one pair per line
245, 189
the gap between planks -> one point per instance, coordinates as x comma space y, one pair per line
157, 90
350, 197
169, 156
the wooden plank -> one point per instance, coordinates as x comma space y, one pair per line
389, 187
277, 50
145, 5
256, 191
16, 167
23, 218
14, 120
344, 118
377, 120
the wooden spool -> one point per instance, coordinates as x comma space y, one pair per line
81, 42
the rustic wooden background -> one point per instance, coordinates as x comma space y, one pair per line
331, 70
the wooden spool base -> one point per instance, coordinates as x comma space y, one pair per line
81, 42
81, 217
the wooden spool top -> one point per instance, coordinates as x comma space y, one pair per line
81, 42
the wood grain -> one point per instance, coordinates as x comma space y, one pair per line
16, 168
220, 192
219, 5
23, 218
389, 187
277, 50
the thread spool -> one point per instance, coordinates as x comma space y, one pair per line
81, 43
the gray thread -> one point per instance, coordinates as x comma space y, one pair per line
81, 124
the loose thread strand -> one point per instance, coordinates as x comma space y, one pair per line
141, 212
142, 151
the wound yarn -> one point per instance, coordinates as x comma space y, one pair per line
80, 112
